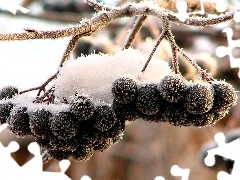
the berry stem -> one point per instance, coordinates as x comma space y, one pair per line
162, 35
136, 28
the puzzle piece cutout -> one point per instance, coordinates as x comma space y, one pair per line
182, 14
9, 168
12, 7
222, 51
176, 171
227, 150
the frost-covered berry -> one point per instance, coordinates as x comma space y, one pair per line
116, 131
176, 114
86, 134
64, 125
18, 121
81, 107
59, 154
199, 98
8, 92
82, 153
103, 144
5, 110
124, 90
64, 144
104, 118
126, 111
172, 87
148, 99
201, 120
224, 95
219, 114
39, 123
43, 142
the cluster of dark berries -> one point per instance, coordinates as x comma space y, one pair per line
173, 100
77, 131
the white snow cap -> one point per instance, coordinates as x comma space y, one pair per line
93, 75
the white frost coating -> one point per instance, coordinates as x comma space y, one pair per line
93, 75
27, 101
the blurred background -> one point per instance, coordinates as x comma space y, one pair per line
147, 150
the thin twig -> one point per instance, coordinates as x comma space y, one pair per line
171, 39
104, 18
136, 28
70, 47
162, 35
97, 6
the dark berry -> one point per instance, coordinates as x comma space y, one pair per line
124, 90
86, 134
104, 118
5, 110
39, 123
224, 95
200, 120
59, 154
172, 87
176, 114
148, 99
82, 107
64, 125
126, 111
18, 122
64, 144
103, 144
116, 131
199, 98
82, 153
8, 92
43, 142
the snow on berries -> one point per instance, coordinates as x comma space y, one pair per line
94, 95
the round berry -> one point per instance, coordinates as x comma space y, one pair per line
176, 114
82, 153
39, 123
201, 120
64, 125
5, 110
125, 111
103, 144
18, 122
148, 99
64, 144
124, 90
199, 98
172, 87
81, 107
104, 118
59, 154
224, 95
8, 92
43, 142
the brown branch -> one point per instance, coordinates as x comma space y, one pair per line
104, 18
136, 28
162, 35
171, 39
97, 6
70, 47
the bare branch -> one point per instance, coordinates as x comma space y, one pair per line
97, 6
136, 28
162, 35
104, 18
